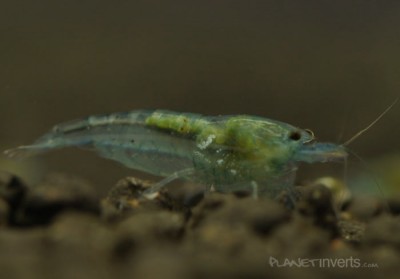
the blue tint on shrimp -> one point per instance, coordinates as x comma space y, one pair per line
225, 153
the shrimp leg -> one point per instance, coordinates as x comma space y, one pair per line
151, 192
254, 189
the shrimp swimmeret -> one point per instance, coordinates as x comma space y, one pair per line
225, 153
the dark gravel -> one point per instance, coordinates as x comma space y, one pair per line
62, 229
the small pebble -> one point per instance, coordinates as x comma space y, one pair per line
56, 193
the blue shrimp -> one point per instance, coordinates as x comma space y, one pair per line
225, 153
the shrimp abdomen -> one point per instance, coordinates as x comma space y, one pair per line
123, 137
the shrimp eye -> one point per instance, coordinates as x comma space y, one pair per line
295, 135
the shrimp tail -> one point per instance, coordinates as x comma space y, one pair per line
24, 151
89, 133
63, 135
47, 143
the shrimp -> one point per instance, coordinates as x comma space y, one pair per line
224, 153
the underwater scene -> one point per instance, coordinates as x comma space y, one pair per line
199, 139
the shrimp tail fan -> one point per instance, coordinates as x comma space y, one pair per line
25, 151
62, 135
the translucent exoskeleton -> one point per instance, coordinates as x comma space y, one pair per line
225, 153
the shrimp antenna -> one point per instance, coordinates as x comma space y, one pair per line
370, 125
374, 177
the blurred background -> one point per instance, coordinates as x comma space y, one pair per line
331, 66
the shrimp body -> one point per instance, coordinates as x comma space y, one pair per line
237, 152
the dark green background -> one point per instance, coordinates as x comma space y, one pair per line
331, 66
